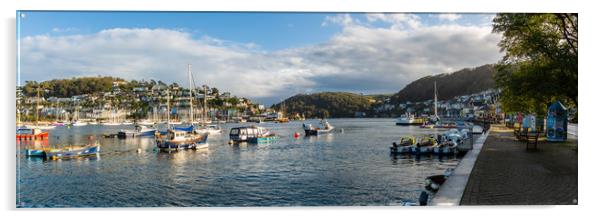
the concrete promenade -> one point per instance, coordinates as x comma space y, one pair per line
450, 193
506, 174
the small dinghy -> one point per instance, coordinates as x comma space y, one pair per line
74, 151
434, 182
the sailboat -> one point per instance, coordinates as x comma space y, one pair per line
76, 121
282, 119
32, 132
113, 122
176, 139
37, 125
211, 129
435, 120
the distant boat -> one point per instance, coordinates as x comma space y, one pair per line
175, 123
59, 123
252, 134
111, 123
79, 123
138, 131
324, 128
146, 122
93, 123
409, 120
127, 123
211, 129
42, 127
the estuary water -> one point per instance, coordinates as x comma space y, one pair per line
348, 167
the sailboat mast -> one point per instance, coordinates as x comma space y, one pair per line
168, 108
37, 104
204, 104
190, 93
436, 115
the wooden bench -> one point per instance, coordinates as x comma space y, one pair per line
532, 138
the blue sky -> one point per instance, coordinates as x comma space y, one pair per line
269, 55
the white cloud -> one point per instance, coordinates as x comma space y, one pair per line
358, 59
449, 17
397, 21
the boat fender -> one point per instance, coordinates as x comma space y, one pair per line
424, 196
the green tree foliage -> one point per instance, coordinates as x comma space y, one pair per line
540, 62
326, 104
70, 87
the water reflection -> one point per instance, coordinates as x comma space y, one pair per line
339, 168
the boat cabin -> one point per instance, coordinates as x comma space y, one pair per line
176, 135
247, 132
28, 131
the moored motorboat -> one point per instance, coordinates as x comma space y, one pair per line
408, 119
324, 128
252, 134
446, 147
424, 145
405, 145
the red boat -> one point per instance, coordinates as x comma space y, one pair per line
31, 134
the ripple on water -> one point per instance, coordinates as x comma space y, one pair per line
350, 168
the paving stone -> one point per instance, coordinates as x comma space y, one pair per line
506, 174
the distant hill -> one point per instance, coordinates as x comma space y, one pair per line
327, 104
465, 81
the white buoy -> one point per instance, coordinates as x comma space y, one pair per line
139, 150
342, 130
230, 142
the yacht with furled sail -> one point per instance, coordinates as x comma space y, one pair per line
113, 121
175, 139
435, 120
211, 129
37, 124
76, 120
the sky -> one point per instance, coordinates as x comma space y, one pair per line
266, 57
